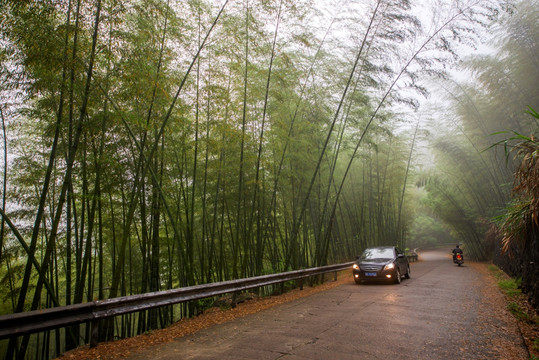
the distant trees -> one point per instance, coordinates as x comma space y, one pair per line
471, 183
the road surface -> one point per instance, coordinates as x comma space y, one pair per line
442, 312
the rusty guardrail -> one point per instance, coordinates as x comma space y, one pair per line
17, 324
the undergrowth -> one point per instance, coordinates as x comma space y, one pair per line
518, 306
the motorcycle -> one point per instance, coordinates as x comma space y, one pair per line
458, 259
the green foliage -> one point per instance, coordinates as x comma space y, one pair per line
426, 231
472, 176
178, 164
493, 268
517, 311
522, 213
515, 222
510, 287
496, 271
204, 304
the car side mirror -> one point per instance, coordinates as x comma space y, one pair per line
400, 255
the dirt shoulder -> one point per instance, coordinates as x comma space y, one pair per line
510, 306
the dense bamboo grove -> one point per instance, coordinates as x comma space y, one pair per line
155, 144
471, 186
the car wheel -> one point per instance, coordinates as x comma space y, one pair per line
398, 276
407, 275
358, 282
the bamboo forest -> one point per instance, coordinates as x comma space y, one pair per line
157, 144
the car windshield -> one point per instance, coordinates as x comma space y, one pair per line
378, 253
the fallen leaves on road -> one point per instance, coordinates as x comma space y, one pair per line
493, 314
123, 348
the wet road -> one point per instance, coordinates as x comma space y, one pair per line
440, 313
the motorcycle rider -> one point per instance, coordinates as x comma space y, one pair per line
456, 250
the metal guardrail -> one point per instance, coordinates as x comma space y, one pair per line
40, 320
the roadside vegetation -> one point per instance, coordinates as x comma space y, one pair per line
468, 185
520, 224
519, 306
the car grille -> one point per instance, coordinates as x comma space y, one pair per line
371, 268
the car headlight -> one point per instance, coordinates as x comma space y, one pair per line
355, 266
389, 266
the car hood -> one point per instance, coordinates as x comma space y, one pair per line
374, 261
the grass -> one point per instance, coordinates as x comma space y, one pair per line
516, 305
510, 287
495, 271
517, 311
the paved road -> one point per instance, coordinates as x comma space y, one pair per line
442, 312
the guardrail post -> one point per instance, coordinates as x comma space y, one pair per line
301, 284
233, 301
94, 333
335, 276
